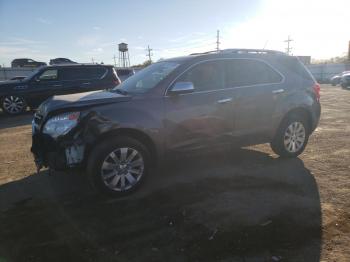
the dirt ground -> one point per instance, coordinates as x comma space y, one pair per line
241, 205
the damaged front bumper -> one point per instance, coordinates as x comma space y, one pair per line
58, 154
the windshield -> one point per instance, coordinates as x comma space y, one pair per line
147, 78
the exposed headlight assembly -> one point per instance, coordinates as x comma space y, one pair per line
61, 124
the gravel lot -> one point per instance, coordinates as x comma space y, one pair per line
241, 205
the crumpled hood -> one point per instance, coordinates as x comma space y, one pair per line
80, 100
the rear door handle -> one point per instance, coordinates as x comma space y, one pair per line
57, 85
224, 100
87, 83
278, 91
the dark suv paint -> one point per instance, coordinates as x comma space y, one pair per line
26, 62
47, 81
202, 101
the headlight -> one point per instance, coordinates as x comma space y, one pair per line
61, 124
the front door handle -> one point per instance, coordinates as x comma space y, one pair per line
224, 100
278, 91
57, 85
87, 83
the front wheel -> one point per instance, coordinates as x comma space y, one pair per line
13, 105
292, 137
117, 166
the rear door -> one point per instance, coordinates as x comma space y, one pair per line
96, 79
257, 87
203, 118
77, 79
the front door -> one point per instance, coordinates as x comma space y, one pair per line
202, 118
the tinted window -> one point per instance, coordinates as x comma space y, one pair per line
245, 72
205, 76
95, 72
50, 74
88, 73
295, 66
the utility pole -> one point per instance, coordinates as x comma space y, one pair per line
149, 54
218, 40
115, 61
92, 60
288, 49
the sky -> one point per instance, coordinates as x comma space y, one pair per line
83, 30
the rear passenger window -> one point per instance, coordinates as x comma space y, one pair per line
205, 76
87, 73
95, 72
245, 72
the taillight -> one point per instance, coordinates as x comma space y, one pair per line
317, 90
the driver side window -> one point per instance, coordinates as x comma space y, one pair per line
206, 76
50, 74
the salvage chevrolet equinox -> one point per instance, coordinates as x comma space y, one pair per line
231, 97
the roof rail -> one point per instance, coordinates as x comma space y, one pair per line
252, 51
205, 53
243, 51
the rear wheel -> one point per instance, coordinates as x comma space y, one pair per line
13, 105
292, 136
118, 166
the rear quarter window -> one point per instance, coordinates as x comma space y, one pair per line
294, 66
246, 72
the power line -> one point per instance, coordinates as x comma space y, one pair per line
217, 40
149, 54
288, 49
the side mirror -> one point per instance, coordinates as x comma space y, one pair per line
37, 79
182, 88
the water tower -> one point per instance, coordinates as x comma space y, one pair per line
124, 60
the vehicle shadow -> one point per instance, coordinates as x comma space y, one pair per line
7, 121
233, 206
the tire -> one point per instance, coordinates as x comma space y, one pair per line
111, 176
13, 105
292, 136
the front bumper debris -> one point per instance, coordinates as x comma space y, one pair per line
58, 155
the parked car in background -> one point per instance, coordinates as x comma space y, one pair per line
47, 81
58, 61
204, 101
26, 62
124, 73
335, 80
345, 80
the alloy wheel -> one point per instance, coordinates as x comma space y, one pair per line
13, 104
122, 169
294, 137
